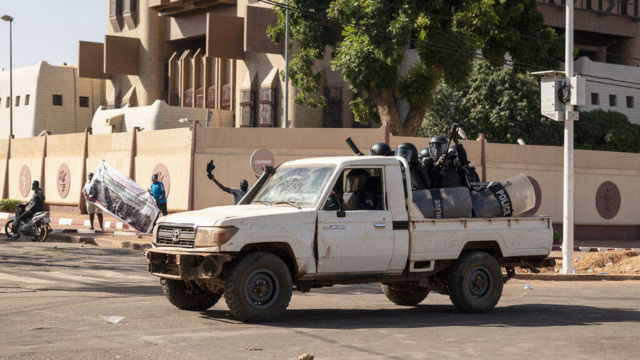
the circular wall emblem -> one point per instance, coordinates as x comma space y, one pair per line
538, 191
25, 181
163, 176
64, 180
608, 200
261, 158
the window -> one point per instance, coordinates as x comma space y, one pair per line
84, 101
267, 108
630, 101
26, 100
115, 8
333, 110
360, 189
8, 102
247, 108
295, 185
57, 100
613, 100
595, 99
17, 101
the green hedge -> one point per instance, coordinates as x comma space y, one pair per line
9, 204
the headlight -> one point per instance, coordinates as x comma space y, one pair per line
214, 236
155, 234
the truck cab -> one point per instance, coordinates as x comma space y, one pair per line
337, 220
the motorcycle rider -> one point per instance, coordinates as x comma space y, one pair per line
34, 206
420, 178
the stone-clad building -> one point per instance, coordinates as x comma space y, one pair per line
48, 98
197, 55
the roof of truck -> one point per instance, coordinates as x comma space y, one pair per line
348, 160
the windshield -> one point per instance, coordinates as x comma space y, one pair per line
297, 185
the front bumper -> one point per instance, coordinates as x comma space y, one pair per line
182, 265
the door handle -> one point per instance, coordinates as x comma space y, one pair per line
380, 225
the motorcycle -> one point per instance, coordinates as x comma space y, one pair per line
38, 226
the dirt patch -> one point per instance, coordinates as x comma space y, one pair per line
620, 262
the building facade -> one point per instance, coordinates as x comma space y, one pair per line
208, 54
48, 98
606, 36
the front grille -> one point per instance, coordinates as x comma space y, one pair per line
186, 237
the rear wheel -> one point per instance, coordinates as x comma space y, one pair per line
258, 287
475, 282
8, 230
187, 295
403, 296
41, 232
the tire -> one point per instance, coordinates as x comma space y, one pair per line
270, 283
187, 295
42, 233
475, 283
402, 297
8, 230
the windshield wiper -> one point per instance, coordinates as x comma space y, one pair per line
292, 203
264, 202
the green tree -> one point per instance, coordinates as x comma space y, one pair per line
608, 131
368, 40
501, 103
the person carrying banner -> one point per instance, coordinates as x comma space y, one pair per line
92, 209
159, 194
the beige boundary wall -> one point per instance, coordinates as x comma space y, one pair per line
607, 186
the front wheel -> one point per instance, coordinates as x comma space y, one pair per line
41, 232
258, 287
187, 295
8, 230
475, 282
404, 297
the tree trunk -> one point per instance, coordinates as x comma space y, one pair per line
388, 113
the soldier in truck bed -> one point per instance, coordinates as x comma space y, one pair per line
447, 167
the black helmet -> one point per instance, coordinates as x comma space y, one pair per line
438, 146
380, 149
424, 153
35, 185
408, 151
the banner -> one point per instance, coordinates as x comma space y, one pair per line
121, 197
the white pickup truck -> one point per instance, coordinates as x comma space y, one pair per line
295, 229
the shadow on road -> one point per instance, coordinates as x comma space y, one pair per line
529, 315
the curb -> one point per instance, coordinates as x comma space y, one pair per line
575, 277
592, 249
128, 245
77, 222
99, 232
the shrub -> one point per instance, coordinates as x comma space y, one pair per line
9, 204
557, 238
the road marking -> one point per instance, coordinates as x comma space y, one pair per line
23, 279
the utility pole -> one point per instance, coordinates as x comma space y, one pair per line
567, 217
10, 20
285, 123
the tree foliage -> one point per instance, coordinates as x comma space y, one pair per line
368, 40
505, 106
501, 103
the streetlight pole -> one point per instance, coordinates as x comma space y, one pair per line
10, 20
285, 123
567, 217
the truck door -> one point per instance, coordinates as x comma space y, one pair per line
362, 240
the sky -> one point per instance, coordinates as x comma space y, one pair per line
49, 30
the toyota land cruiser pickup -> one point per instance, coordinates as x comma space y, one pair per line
295, 230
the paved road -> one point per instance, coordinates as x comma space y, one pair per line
52, 298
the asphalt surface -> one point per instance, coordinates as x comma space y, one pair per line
53, 298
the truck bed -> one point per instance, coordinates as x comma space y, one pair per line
439, 239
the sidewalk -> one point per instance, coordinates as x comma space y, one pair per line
58, 218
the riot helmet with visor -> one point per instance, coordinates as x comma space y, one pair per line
380, 149
437, 146
408, 151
